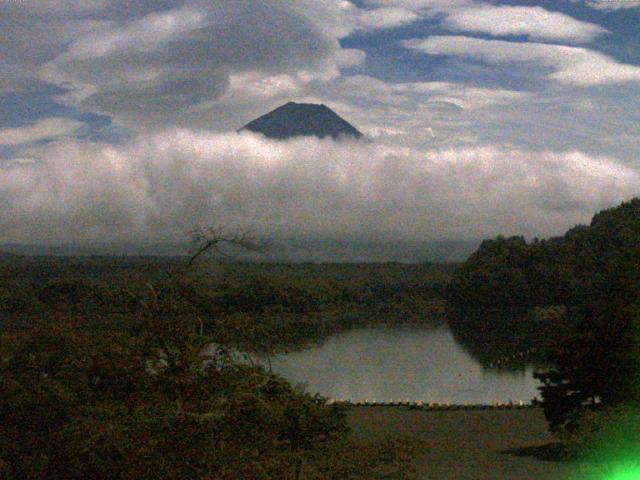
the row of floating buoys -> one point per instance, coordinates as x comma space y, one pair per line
516, 356
420, 405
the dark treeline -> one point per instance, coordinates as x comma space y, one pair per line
511, 273
287, 304
591, 388
507, 339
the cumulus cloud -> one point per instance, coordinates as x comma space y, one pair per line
533, 22
45, 129
114, 58
569, 65
150, 68
159, 186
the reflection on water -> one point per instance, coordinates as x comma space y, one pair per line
508, 339
388, 364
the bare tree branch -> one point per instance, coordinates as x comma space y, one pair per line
207, 240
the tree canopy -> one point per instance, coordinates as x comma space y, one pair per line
509, 272
595, 272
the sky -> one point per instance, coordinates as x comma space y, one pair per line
119, 119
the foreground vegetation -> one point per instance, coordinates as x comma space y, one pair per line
149, 405
272, 306
114, 375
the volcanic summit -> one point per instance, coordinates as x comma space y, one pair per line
302, 119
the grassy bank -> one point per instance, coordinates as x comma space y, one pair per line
469, 444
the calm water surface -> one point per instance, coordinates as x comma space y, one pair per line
389, 364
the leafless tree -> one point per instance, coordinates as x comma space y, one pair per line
222, 242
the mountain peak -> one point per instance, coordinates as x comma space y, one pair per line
302, 119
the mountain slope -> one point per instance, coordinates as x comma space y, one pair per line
302, 119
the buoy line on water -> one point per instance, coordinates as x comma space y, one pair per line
438, 406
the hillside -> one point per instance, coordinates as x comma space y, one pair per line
509, 272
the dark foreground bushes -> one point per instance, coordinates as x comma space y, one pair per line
77, 405
148, 404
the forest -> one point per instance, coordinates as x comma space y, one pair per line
287, 304
508, 272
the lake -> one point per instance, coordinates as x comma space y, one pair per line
398, 363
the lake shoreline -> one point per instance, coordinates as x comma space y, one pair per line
468, 444
399, 365
437, 407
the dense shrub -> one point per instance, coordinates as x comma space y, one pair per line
79, 406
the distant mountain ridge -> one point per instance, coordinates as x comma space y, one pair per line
8, 256
302, 119
284, 249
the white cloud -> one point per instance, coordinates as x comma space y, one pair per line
154, 69
533, 22
442, 110
612, 4
463, 95
196, 64
499, 20
147, 33
342, 18
161, 185
381, 18
570, 65
31, 38
351, 57
48, 128
447, 114
254, 85
418, 5
357, 88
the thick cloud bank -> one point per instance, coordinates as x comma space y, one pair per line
160, 186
